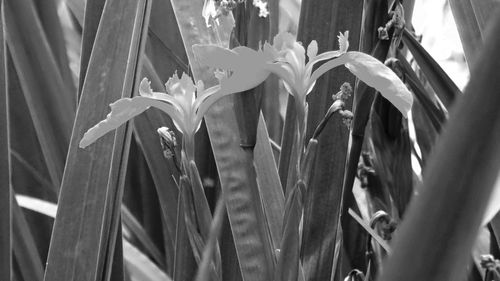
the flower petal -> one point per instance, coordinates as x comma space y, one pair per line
375, 74
312, 50
343, 41
247, 65
123, 110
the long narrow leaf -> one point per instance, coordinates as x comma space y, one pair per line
5, 167
446, 90
50, 102
23, 245
458, 181
138, 264
96, 174
324, 193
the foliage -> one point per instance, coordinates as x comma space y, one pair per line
208, 181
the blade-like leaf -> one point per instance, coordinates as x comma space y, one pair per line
471, 17
458, 182
51, 103
89, 22
131, 223
138, 264
211, 245
97, 174
446, 90
184, 263
375, 74
5, 167
288, 267
24, 249
140, 267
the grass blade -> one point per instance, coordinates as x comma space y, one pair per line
119, 38
140, 233
211, 245
184, 263
458, 181
90, 23
51, 104
23, 245
442, 84
51, 24
5, 167
140, 267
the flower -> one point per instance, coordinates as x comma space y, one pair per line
287, 59
181, 104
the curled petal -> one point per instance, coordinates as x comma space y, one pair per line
375, 74
146, 91
122, 111
247, 66
343, 41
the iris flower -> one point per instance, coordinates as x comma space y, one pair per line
186, 103
287, 59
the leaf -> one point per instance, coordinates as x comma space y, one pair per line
458, 182
138, 265
97, 174
131, 223
5, 166
288, 267
211, 246
50, 102
235, 165
24, 248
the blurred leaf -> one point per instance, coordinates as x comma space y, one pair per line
97, 173
5, 166
51, 104
442, 84
458, 181
471, 17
